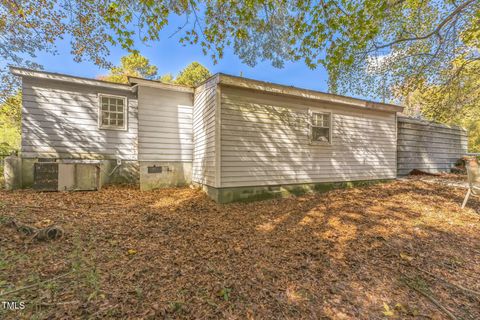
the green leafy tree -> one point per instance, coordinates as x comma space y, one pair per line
167, 78
191, 75
10, 124
31, 26
456, 102
137, 65
133, 65
367, 46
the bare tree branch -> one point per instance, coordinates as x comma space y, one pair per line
435, 32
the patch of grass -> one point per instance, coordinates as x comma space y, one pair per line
87, 277
139, 292
3, 264
2, 178
224, 293
3, 219
417, 282
175, 306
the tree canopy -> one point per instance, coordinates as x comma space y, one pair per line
10, 124
364, 45
456, 102
133, 65
136, 65
191, 75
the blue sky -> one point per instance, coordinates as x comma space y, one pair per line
170, 57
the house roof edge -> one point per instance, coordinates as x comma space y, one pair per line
246, 83
30, 73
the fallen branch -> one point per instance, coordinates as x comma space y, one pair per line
52, 232
44, 304
432, 299
35, 284
43, 208
449, 283
100, 311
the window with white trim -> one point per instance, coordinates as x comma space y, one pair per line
321, 127
112, 112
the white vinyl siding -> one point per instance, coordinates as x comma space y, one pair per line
429, 147
204, 131
265, 141
165, 125
61, 120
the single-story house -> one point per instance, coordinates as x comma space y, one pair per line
235, 137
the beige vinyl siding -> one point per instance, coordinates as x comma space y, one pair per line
61, 120
265, 141
204, 132
428, 146
165, 125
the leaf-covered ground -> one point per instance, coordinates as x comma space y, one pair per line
403, 249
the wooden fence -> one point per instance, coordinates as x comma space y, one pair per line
427, 146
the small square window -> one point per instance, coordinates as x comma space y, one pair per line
320, 127
113, 112
320, 134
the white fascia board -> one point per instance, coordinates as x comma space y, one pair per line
279, 89
159, 85
28, 73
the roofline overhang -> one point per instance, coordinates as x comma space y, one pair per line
412, 120
221, 79
278, 89
159, 85
29, 73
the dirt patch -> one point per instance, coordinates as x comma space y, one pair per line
367, 253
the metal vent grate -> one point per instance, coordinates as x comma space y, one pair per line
45, 176
154, 169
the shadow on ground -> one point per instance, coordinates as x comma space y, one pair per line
383, 251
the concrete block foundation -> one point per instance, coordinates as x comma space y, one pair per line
160, 174
127, 172
19, 172
12, 172
249, 194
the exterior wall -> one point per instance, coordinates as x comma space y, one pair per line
224, 138
112, 173
254, 193
60, 120
165, 125
265, 141
173, 174
165, 137
204, 133
12, 173
19, 172
428, 146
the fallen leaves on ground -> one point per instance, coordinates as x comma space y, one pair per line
366, 253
